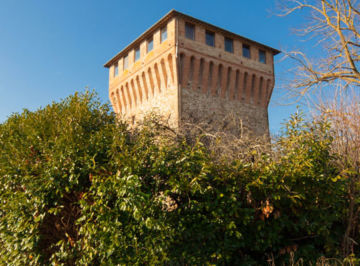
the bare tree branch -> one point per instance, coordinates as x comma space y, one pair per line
334, 24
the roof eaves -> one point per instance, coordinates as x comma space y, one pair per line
143, 36
216, 28
172, 13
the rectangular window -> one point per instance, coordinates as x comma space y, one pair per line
210, 38
137, 54
116, 70
229, 45
163, 34
126, 62
246, 50
262, 56
190, 31
150, 45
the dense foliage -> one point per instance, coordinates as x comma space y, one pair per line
77, 187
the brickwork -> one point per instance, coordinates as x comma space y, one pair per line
149, 84
186, 80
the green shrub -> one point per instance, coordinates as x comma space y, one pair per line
77, 187
45, 161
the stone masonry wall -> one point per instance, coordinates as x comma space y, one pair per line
187, 81
149, 84
220, 88
221, 114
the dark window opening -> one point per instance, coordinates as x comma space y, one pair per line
150, 44
262, 56
210, 38
246, 51
137, 54
190, 31
116, 71
229, 45
163, 34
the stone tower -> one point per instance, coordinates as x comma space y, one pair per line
191, 71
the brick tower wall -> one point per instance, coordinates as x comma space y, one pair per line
149, 84
219, 88
186, 80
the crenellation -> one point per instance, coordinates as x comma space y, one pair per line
115, 102
143, 85
224, 81
184, 69
244, 85
134, 94
235, 88
181, 27
238, 93
119, 105
186, 80
172, 30
200, 34
226, 84
195, 73
131, 59
199, 73
121, 98
150, 79
163, 74
138, 90
156, 38
219, 41
154, 79
205, 76
143, 51
254, 53
253, 88
260, 91
210, 80
218, 79
214, 77
237, 48
171, 64
120, 64
247, 86
128, 96
270, 89
266, 92
157, 78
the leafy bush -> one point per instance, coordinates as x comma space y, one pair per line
45, 161
77, 187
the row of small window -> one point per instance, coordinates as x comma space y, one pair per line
228, 42
149, 47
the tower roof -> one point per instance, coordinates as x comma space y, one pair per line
167, 17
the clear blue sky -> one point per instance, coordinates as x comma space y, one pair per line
50, 49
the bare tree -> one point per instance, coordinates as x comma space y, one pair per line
335, 25
343, 112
